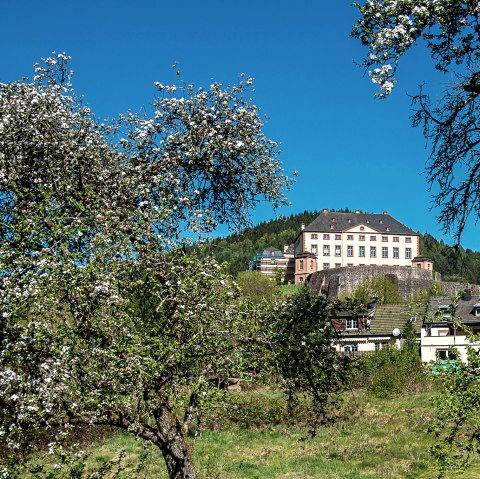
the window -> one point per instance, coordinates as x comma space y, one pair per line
314, 236
349, 250
384, 252
395, 253
326, 250
361, 237
362, 228
300, 264
338, 250
326, 265
442, 332
379, 345
384, 239
352, 323
408, 253
301, 279
338, 237
476, 312
350, 349
349, 264
338, 265
350, 237
311, 265
396, 239
326, 236
408, 239
314, 249
373, 251
445, 354
361, 251
373, 238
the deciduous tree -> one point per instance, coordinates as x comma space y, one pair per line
103, 318
450, 33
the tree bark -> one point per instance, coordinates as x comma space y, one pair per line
167, 436
172, 443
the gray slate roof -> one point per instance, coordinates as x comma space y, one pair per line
340, 222
464, 309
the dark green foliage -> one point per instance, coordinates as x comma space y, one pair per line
239, 249
454, 264
457, 423
306, 360
391, 372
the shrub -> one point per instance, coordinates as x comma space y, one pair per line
391, 372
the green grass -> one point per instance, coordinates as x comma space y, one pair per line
376, 439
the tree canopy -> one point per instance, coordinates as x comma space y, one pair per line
104, 319
450, 32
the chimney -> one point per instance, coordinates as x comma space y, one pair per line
303, 226
325, 210
467, 295
385, 212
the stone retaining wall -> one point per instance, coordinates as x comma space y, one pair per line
345, 280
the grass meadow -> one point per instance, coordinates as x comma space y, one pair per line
372, 438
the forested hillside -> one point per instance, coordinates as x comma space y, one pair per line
239, 249
453, 264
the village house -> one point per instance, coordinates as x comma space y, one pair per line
377, 327
448, 325
337, 239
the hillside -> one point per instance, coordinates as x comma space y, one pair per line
239, 249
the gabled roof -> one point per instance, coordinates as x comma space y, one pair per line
272, 252
464, 310
391, 316
385, 319
337, 222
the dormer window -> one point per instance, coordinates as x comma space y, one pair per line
352, 323
444, 310
476, 310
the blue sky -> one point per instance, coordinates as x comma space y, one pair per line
350, 149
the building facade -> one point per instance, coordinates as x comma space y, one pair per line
339, 239
450, 325
271, 260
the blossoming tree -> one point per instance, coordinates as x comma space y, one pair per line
450, 32
103, 318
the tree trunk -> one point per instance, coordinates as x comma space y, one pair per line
173, 445
167, 436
